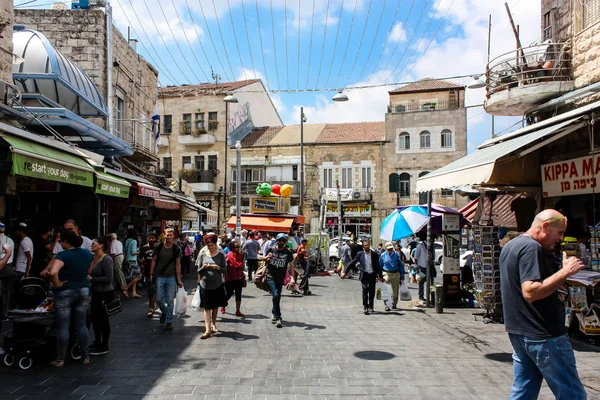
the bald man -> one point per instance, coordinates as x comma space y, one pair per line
533, 314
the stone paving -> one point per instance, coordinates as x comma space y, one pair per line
327, 350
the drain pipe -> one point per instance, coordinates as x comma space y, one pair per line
109, 67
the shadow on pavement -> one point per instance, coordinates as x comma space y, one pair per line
237, 336
307, 327
374, 355
500, 357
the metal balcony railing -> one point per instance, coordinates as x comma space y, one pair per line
535, 64
428, 106
197, 175
138, 134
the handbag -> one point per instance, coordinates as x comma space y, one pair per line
113, 306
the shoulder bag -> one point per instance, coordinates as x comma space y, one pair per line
113, 306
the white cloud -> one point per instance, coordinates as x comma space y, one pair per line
398, 33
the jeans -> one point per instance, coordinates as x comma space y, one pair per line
252, 267
99, 317
275, 288
552, 359
74, 302
165, 295
422, 283
368, 289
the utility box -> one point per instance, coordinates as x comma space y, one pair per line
450, 262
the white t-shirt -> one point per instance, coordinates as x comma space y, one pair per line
8, 243
87, 244
25, 246
116, 247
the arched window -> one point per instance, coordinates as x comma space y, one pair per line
446, 138
404, 141
425, 139
400, 108
404, 185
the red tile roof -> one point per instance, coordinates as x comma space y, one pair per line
203, 88
426, 85
353, 132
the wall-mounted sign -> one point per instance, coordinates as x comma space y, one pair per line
331, 194
570, 177
269, 205
350, 210
205, 203
148, 191
45, 169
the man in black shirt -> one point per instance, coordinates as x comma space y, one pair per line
279, 259
533, 314
145, 259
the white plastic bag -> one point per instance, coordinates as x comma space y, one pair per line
404, 292
384, 292
196, 300
180, 302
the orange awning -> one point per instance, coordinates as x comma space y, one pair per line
269, 224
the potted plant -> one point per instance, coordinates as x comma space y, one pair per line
212, 125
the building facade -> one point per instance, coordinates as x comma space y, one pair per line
6, 20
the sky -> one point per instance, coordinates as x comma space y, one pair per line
305, 50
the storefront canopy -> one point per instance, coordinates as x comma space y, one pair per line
263, 223
37, 160
166, 204
110, 185
494, 162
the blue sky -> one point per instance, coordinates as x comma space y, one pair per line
302, 49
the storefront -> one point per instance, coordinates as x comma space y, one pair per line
356, 220
268, 214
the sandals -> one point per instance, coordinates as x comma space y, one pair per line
213, 329
150, 313
205, 335
222, 310
239, 314
86, 361
57, 363
136, 296
125, 293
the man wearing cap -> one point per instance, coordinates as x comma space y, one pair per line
393, 272
278, 258
25, 253
7, 273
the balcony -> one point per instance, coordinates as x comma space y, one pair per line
249, 188
448, 201
201, 181
518, 81
194, 135
141, 138
429, 106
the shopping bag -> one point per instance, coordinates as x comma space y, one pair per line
180, 302
383, 291
287, 278
404, 292
196, 300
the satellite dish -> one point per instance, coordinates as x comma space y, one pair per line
59, 6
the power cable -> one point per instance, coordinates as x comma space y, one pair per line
197, 34
387, 38
322, 47
223, 40
310, 47
236, 41
248, 39
335, 43
261, 43
298, 71
186, 39
347, 43
374, 38
362, 36
287, 58
213, 42
274, 47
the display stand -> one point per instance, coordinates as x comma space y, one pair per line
486, 271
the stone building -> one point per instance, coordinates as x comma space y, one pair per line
80, 35
6, 20
195, 122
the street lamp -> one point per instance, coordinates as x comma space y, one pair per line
476, 83
302, 121
228, 99
340, 97
238, 191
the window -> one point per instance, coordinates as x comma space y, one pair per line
186, 162
212, 163
199, 163
120, 116
294, 172
200, 120
425, 139
212, 116
400, 108
212, 121
589, 13
404, 141
546, 27
167, 166
347, 178
404, 185
328, 178
186, 125
366, 177
446, 138
257, 175
447, 192
246, 175
168, 124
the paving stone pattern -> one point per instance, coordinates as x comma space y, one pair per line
327, 350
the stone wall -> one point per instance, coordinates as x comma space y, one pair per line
6, 20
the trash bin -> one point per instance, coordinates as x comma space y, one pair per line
438, 293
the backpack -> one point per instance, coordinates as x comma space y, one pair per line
260, 277
188, 250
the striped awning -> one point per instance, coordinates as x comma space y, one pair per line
501, 212
470, 209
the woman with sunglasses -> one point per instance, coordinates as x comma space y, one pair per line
101, 275
235, 279
211, 268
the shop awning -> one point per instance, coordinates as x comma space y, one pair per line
492, 164
269, 224
110, 185
148, 191
166, 204
36, 160
470, 209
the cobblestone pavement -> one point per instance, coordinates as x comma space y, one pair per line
327, 350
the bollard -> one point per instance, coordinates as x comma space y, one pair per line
439, 299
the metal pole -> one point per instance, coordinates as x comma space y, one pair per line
238, 191
226, 168
430, 263
301, 211
339, 204
109, 68
219, 210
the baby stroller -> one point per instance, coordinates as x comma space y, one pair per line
34, 332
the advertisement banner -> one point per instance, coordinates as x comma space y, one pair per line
264, 204
350, 210
570, 177
109, 188
44, 169
148, 191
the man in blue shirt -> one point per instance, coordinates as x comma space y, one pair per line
393, 272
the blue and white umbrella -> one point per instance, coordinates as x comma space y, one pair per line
404, 223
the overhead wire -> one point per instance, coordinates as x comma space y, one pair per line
213, 42
261, 44
387, 38
347, 43
298, 71
374, 38
197, 34
236, 41
223, 40
335, 43
362, 36
275, 47
186, 39
312, 23
248, 39
322, 47
287, 58
164, 43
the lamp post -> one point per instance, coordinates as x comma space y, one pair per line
238, 191
302, 121
228, 99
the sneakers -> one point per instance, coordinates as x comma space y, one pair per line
163, 318
93, 347
273, 319
394, 307
222, 310
279, 323
388, 309
371, 310
169, 326
98, 351
366, 311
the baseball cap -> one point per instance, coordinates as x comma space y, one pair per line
281, 236
389, 245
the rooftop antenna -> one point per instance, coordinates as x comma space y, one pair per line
217, 78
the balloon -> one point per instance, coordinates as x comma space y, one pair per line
264, 189
286, 190
275, 189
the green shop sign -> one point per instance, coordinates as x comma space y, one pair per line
54, 171
108, 187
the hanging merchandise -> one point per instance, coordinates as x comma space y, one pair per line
486, 271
